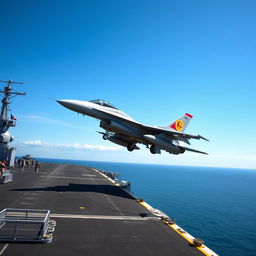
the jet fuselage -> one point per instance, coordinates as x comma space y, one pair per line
125, 131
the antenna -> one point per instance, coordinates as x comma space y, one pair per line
8, 90
10, 82
8, 94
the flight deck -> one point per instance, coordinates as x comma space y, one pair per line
93, 216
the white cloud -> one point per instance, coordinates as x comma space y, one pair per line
114, 153
35, 143
39, 143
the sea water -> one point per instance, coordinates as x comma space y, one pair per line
217, 205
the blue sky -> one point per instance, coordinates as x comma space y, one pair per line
155, 60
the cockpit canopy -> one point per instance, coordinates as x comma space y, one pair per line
103, 103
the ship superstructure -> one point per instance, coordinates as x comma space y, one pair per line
7, 152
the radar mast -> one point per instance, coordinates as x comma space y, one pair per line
7, 154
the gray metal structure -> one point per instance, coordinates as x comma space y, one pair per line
7, 153
123, 130
26, 225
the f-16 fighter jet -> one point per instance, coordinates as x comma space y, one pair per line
123, 130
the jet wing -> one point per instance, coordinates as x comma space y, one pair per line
193, 150
176, 135
147, 129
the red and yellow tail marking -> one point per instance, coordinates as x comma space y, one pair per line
178, 125
187, 114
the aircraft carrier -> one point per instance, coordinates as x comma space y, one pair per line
64, 209
93, 214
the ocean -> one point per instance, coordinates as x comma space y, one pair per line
217, 205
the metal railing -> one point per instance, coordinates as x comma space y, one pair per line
6, 177
26, 225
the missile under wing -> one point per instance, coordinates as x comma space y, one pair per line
123, 130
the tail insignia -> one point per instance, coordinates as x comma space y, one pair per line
179, 125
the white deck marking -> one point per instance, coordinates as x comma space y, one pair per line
109, 198
4, 248
25, 203
100, 217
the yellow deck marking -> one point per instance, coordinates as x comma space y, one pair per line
176, 228
204, 249
200, 248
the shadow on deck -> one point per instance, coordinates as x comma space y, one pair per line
72, 187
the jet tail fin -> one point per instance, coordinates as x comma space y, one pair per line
181, 123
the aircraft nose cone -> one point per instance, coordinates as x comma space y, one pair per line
67, 104
62, 102
75, 105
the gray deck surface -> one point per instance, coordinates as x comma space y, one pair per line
112, 223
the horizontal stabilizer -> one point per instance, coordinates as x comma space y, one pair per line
201, 137
193, 150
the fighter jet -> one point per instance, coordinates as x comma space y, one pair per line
123, 130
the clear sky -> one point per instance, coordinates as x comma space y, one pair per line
155, 60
